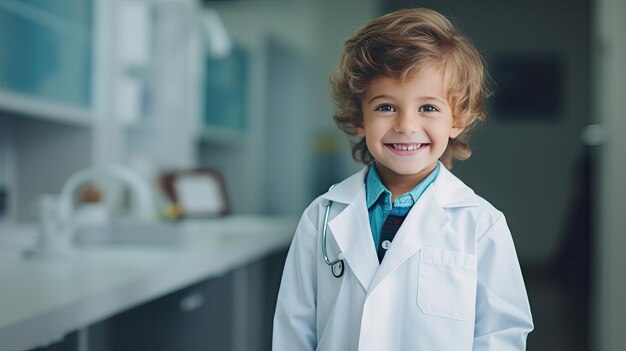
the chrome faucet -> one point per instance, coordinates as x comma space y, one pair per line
57, 222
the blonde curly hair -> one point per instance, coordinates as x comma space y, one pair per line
399, 45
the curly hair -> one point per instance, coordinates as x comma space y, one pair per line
399, 45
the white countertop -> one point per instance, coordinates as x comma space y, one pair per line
41, 300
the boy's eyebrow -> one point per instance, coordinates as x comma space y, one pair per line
433, 98
382, 96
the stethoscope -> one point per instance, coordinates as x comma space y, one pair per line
336, 266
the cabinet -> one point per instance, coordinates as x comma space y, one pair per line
46, 50
231, 312
195, 318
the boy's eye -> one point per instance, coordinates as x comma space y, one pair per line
428, 108
385, 108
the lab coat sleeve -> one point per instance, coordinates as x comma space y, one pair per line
503, 318
295, 316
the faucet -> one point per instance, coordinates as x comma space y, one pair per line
143, 206
57, 223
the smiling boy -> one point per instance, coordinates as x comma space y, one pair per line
403, 255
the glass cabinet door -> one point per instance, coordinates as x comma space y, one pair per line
226, 91
46, 49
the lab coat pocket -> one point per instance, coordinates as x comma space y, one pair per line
447, 283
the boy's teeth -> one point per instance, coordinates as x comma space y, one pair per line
407, 147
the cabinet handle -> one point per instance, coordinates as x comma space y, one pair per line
192, 302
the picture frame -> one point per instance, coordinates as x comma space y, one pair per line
198, 193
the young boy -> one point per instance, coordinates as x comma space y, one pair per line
403, 255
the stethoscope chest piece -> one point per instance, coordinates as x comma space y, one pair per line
337, 269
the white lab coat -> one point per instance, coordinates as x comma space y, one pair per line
449, 281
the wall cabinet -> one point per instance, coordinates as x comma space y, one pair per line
47, 50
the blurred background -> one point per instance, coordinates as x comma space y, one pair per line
237, 91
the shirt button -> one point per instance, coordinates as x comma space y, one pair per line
386, 244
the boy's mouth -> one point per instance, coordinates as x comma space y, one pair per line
406, 148
409, 147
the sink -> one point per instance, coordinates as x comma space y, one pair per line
131, 233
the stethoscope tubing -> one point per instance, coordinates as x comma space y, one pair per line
336, 265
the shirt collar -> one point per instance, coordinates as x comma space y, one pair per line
374, 187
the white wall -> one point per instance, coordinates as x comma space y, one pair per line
609, 103
46, 155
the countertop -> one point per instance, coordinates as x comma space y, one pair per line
41, 300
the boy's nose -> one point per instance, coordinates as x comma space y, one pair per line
406, 124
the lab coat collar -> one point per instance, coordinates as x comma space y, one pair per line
449, 190
351, 230
348, 189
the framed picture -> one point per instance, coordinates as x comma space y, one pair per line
199, 193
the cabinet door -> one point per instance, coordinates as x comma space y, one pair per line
275, 264
69, 343
195, 318
45, 49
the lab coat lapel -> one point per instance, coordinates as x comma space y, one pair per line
351, 230
425, 220
352, 233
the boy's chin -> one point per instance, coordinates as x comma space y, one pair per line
410, 171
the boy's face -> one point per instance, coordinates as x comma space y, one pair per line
407, 125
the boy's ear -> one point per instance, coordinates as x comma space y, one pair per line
456, 131
458, 127
360, 131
